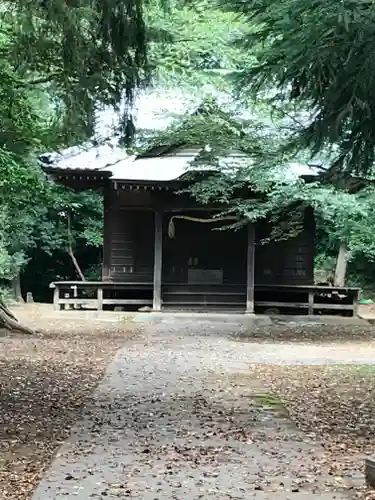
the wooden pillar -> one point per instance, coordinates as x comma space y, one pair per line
158, 254
100, 298
250, 270
56, 297
311, 302
107, 232
355, 303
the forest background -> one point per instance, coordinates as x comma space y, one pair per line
285, 81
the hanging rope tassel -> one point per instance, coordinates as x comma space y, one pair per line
172, 227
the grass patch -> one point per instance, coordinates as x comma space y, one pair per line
270, 401
335, 402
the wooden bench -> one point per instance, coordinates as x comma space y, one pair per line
68, 294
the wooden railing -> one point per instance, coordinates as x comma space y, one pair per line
290, 299
309, 298
93, 294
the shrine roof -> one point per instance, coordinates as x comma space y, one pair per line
159, 165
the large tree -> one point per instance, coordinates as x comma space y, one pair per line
317, 56
267, 184
85, 54
60, 62
191, 44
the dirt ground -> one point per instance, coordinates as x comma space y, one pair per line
367, 311
45, 379
336, 404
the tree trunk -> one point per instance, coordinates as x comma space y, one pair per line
76, 265
341, 265
9, 321
16, 287
70, 251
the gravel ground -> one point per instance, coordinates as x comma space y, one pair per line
181, 415
44, 380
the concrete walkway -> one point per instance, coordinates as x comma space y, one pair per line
179, 416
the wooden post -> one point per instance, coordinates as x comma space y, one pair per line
75, 295
355, 303
107, 232
158, 260
100, 298
250, 270
311, 302
56, 296
67, 306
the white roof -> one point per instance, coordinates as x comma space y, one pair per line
154, 110
156, 169
86, 157
167, 167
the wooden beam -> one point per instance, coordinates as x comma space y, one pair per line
107, 232
78, 301
305, 305
158, 257
106, 284
128, 302
279, 303
250, 270
94, 302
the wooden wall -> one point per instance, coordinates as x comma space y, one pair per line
200, 246
129, 246
288, 262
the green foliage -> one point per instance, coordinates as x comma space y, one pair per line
192, 43
305, 75
20, 185
261, 185
216, 130
317, 55
59, 63
94, 272
77, 218
84, 54
6, 295
34, 212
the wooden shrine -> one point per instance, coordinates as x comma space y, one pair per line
163, 251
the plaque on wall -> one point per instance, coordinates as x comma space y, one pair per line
205, 276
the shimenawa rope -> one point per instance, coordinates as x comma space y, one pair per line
172, 228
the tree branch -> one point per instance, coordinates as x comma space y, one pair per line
37, 81
9, 321
181, 40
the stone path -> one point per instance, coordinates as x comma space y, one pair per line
178, 416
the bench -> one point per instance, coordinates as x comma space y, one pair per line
71, 294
